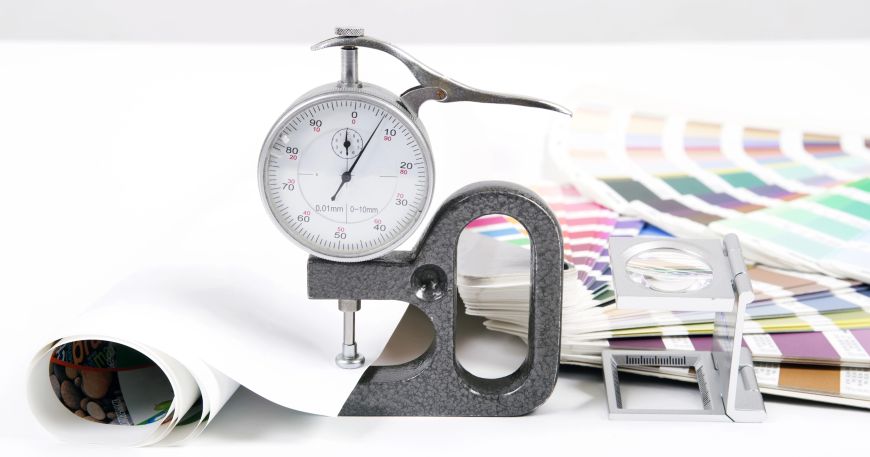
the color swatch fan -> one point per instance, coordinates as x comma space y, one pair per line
797, 200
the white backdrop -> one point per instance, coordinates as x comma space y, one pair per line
444, 21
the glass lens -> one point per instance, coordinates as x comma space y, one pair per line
669, 270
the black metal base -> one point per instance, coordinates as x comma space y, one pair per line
435, 384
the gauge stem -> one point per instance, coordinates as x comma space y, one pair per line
349, 67
349, 357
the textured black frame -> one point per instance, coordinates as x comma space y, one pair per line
436, 384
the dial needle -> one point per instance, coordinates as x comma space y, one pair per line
345, 177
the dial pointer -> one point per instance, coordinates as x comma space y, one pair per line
345, 177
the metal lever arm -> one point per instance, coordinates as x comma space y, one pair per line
434, 85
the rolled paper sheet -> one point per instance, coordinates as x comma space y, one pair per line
222, 303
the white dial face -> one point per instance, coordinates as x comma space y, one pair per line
348, 179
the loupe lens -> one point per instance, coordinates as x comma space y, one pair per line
669, 270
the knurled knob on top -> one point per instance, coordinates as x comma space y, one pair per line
349, 32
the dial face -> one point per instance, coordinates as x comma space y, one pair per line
346, 177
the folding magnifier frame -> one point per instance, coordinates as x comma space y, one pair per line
726, 378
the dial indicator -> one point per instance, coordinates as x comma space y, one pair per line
347, 176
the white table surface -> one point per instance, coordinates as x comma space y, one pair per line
105, 148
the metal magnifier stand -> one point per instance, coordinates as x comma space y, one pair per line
726, 378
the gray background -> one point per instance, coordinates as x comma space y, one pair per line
482, 21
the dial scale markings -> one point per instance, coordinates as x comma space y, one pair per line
353, 146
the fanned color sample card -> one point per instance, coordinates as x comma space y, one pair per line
797, 200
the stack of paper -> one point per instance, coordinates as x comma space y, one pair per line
496, 281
